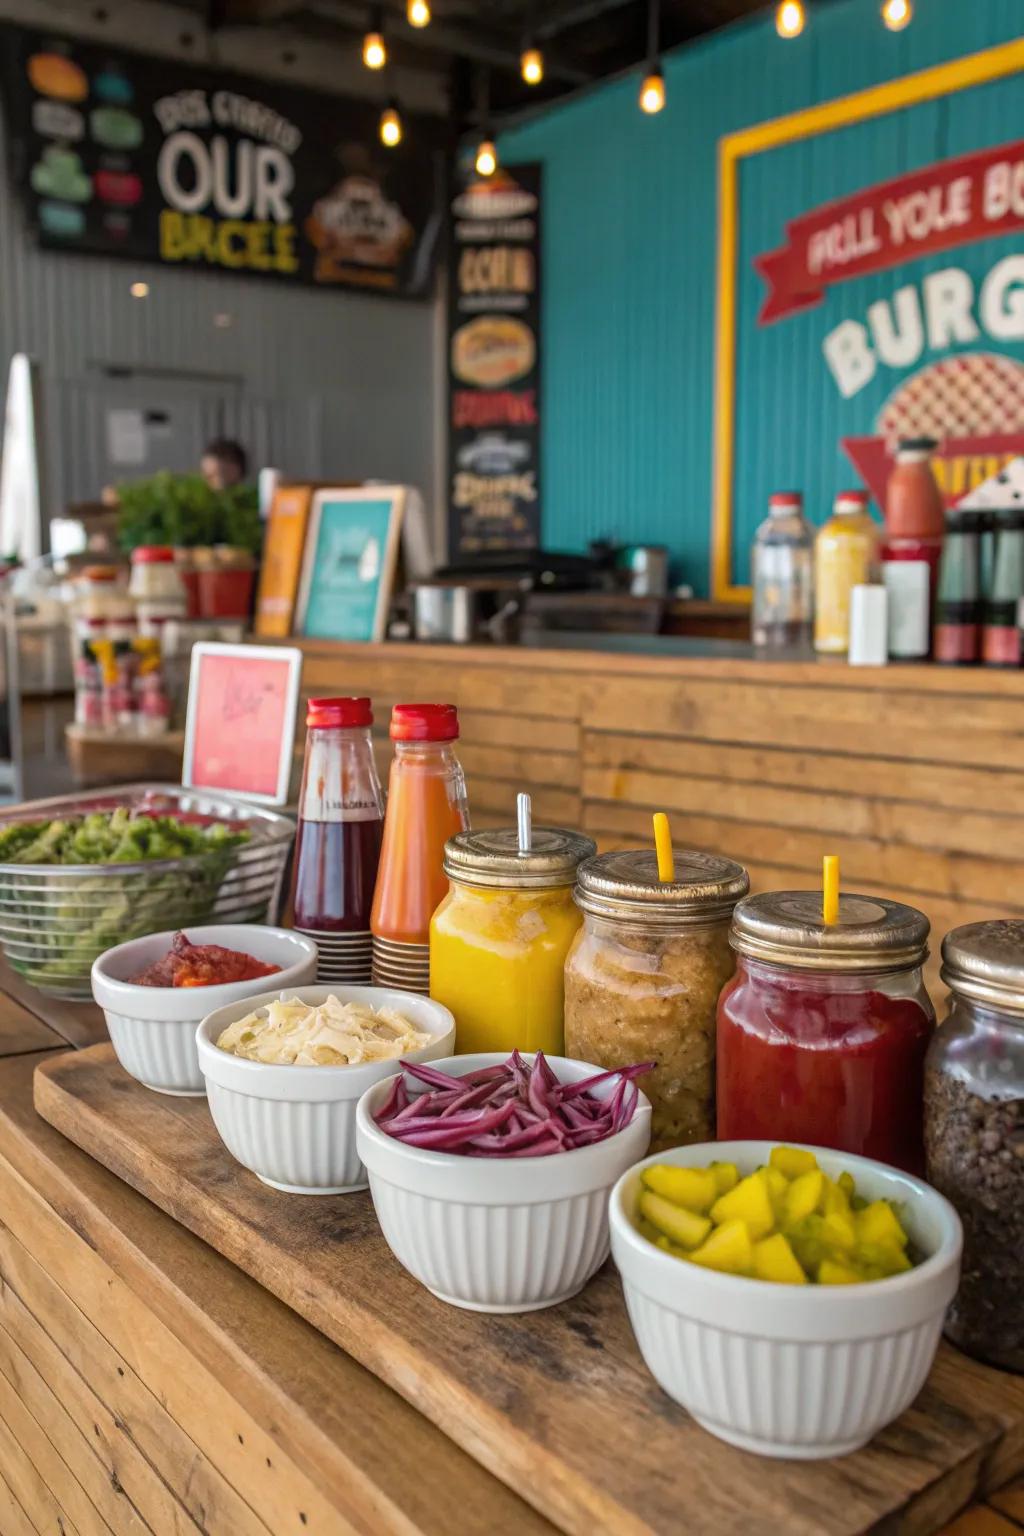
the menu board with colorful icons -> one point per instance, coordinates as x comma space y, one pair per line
494, 363
162, 160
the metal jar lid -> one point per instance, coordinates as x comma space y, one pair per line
985, 962
492, 859
787, 928
625, 885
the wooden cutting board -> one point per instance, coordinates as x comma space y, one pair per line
557, 1403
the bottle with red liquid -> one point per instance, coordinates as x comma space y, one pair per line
337, 848
823, 1030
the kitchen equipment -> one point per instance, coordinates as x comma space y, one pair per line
443, 613
646, 566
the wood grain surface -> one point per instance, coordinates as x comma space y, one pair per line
913, 775
148, 1387
558, 1403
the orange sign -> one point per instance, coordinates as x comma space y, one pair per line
282, 560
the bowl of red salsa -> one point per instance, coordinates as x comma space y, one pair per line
155, 991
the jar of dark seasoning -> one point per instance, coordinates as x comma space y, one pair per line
643, 977
974, 1133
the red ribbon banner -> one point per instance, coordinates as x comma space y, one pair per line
935, 209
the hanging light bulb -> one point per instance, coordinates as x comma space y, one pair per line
652, 92
790, 18
897, 14
531, 63
486, 158
390, 127
418, 13
652, 89
375, 54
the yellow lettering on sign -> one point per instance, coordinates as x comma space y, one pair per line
259, 245
172, 235
284, 248
229, 254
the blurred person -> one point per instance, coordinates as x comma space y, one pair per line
224, 463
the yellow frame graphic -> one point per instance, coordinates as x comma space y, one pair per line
876, 101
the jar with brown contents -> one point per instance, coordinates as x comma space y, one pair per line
974, 1132
643, 977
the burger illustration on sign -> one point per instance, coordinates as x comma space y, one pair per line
972, 404
493, 350
355, 224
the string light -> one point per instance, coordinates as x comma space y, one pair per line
139, 290
391, 125
652, 89
418, 13
790, 18
375, 54
897, 14
531, 63
652, 92
486, 158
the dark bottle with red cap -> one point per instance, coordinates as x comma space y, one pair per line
337, 849
426, 806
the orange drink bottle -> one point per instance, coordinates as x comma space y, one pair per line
426, 806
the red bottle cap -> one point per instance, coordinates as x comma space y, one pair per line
424, 722
321, 714
783, 501
152, 554
852, 501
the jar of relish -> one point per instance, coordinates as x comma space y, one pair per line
823, 1030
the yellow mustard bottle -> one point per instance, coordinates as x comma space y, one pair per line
845, 556
499, 939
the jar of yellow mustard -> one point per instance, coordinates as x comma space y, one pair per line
499, 939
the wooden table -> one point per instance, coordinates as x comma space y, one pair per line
147, 1386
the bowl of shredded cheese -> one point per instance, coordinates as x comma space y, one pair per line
284, 1071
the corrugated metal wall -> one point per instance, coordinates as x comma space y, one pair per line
629, 263
319, 384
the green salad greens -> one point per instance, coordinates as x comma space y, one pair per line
55, 926
112, 837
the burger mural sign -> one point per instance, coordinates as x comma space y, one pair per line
893, 310
971, 403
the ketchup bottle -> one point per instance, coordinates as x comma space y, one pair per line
337, 848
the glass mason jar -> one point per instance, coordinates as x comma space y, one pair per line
823, 1030
499, 939
974, 1132
643, 977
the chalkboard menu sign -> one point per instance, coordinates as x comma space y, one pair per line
494, 364
160, 160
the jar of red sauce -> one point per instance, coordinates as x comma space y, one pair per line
823, 1030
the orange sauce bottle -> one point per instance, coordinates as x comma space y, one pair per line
426, 806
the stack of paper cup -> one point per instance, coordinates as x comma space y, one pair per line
405, 966
344, 957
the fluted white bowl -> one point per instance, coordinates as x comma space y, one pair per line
496, 1234
153, 1029
295, 1127
799, 1371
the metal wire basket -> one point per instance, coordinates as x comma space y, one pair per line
55, 919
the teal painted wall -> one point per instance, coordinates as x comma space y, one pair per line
630, 254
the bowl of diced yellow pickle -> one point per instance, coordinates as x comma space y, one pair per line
790, 1298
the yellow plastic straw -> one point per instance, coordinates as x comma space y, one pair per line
830, 889
663, 847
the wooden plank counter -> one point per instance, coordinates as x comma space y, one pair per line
914, 775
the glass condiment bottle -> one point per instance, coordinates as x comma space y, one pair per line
782, 575
957, 634
822, 1032
499, 939
974, 1132
426, 806
914, 513
643, 977
845, 556
337, 845
1000, 636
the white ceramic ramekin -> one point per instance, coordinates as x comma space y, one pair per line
498, 1234
800, 1371
295, 1127
153, 1029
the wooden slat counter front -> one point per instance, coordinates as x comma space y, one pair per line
914, 775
